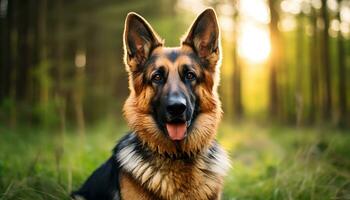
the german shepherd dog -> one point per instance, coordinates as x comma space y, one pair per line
173, 111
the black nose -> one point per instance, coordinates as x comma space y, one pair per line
176, 106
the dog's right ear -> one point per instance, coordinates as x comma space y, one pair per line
139, 41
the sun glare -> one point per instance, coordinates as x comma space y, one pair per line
254, 43
252, 28
255, 10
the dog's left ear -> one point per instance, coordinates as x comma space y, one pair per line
203, 35
139, 41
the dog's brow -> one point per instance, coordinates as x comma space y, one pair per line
173, 55
151, 60
194, 57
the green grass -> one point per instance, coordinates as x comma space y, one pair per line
269, 162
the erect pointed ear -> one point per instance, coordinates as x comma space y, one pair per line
203, 35
139, 40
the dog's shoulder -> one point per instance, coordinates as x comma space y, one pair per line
104, 182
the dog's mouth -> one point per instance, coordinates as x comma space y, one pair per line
177, 130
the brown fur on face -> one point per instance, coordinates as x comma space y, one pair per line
144, 52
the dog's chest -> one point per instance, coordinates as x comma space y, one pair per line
171, 185
199, 178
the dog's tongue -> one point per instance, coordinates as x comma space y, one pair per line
176, 131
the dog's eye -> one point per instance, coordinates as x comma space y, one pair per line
190, 76
157, 78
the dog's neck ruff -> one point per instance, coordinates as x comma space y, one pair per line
162, 174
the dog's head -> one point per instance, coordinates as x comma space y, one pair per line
173, 98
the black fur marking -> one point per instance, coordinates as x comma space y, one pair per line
213, 150
150, 61
196, 112
103, 184
173, 55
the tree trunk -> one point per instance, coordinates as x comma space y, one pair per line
13, 61
44, 66
5, 65
60, 66
24, 62
274, 103
237, 73
299, 97
237, 86
314, 70
342, 76
327, 96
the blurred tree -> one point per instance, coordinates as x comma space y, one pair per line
25, 50
59, 65
274, 104
12, 22
326, 72
314, 64
13, 62
299, 96
5, 45
42, 74
341, 73
237, 72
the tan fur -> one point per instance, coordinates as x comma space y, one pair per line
131, 190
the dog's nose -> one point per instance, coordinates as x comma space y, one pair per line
176, 106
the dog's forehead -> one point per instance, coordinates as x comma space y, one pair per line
173, 55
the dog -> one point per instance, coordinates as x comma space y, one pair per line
173, 111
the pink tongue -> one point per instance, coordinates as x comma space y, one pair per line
176, 131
